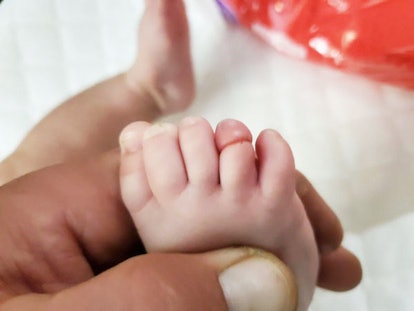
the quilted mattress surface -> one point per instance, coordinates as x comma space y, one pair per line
352, 137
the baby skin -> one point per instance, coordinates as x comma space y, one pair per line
210, 196
190, 189
90, 122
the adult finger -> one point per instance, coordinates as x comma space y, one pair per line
339, 270
230, 279
326, 225
100, 228
69, 219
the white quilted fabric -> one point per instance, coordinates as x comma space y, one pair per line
354, 138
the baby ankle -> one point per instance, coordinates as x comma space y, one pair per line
167, 97
144, 94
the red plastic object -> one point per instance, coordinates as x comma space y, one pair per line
370, 37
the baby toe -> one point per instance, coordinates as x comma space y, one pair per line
163, 161
135, 190
199, 152
275, 164
237, 157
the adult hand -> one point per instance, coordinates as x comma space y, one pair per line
339, 269
230, 279
82, 228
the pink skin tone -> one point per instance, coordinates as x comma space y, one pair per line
190, 189
163, 67
213, 172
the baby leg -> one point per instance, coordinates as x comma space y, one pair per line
189, 189
163, 67
90, 122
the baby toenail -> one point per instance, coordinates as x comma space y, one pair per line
158, 129
130, 142
189, 121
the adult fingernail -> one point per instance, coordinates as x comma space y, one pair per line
259, 282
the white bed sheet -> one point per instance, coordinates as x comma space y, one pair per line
352, 137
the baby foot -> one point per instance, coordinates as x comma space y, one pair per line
189, 189
163, 66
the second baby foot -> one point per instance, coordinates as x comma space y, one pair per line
163, 66
190, 189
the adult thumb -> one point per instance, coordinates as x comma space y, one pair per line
236, 279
